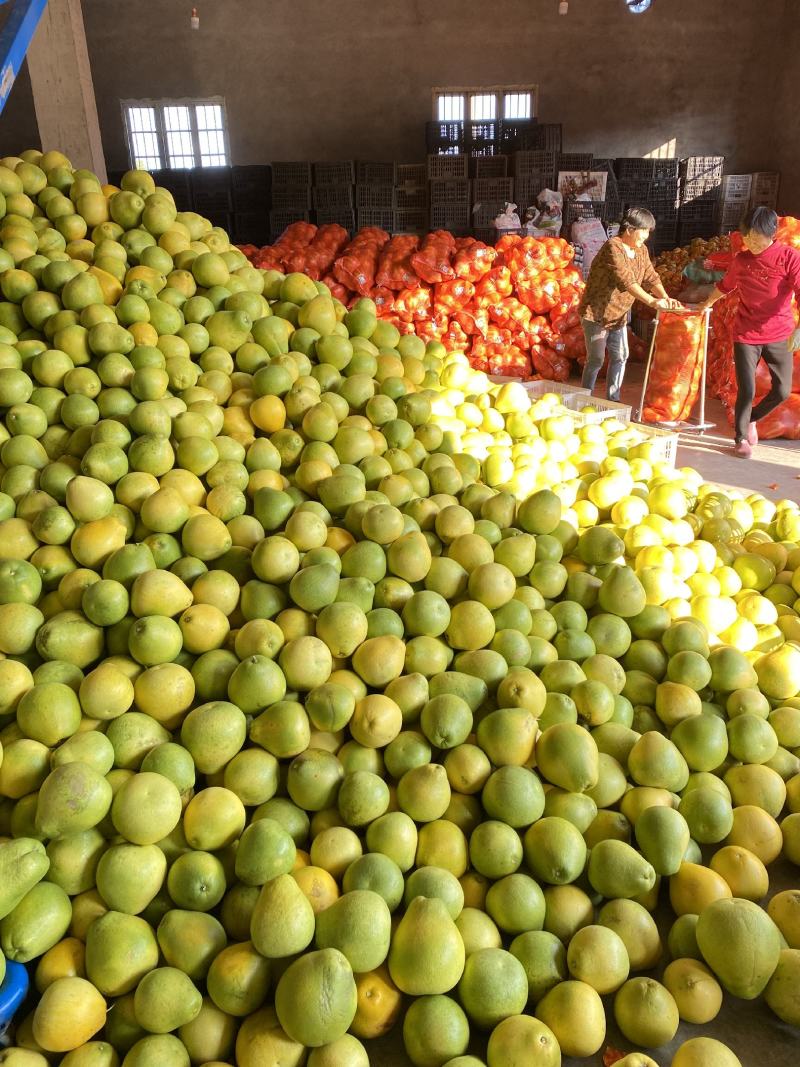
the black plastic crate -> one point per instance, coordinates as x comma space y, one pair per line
687, 231
345, 217
701, 167
292, 196
211, 180
251, 188
377, 196
489, 167
606, 165
487, 234
209, 204
634, 193
453, 217
534, 162
374, 173
582, 209
409, 220
340, 173
178, 182
448, 167
483, 138
291, 174
410, 198
666, 170
280, 218
634, 169
444, 137
410, 174
542, 136
527, 189
492, 189
251, 227
512, 131
333, 197
484, 213
575, 161
375, 216
698, 211
445, 191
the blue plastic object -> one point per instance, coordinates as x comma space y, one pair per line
15, 37
13, 991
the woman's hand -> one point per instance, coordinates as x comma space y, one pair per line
668, 303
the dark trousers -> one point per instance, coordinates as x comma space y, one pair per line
779, 360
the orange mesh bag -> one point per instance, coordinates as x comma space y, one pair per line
395, 269
675, 369
356, 266
433, 260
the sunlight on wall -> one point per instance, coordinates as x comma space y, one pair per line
667, 150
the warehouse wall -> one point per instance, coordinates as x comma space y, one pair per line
785, 141
352, 78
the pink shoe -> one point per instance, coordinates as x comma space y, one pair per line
743, 450
752, 434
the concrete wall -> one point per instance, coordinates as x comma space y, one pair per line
353, 78
785, 140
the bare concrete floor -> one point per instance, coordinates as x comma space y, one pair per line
750, 1029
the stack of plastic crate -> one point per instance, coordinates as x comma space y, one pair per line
448, 193
291, 196
333, 194
736, 190
764, 189
212, 194
251, 203
534, 170
410, 199
700, 190
489, 198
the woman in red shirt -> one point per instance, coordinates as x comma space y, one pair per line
766, 276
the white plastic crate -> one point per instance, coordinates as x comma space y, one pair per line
540, 386
736, 187
603, 409
664, 442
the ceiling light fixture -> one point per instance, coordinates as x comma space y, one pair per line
563, 7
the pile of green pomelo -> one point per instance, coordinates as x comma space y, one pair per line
342, 689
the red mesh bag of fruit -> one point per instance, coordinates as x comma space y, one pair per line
453, 295
473, 259
782, 421
413, 304
510, 363
494, 286
675, 368
357, 264
549, 364
433, 260
395, 269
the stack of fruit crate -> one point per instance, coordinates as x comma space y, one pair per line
410, 201
251, 203
733, 203
374, 195
764, 189
333, 194
291, 196
489, 198
534, 170
212, 195
448, 193
700, 191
